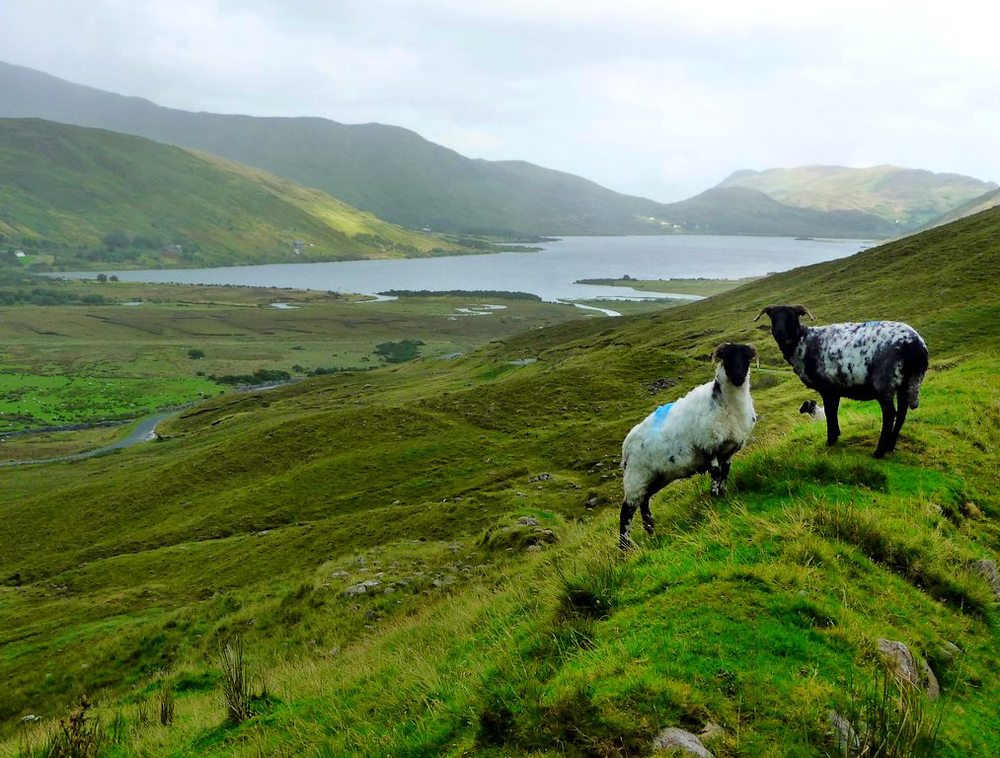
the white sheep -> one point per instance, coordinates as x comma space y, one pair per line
813, 410
874, 360
698, 433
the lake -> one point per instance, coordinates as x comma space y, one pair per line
550, 273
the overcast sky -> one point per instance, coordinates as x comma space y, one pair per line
659, 98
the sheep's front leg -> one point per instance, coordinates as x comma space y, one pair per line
624, 522
724, 475
718, 478
832, 403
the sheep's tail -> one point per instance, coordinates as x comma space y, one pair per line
915, 362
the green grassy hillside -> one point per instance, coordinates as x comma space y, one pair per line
84, 197
742, 210
400, 176
978, 204
905, 197
478, 499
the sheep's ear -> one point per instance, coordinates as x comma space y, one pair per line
717, 353
753, 350
803, 311
766, 310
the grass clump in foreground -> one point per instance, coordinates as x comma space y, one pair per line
894, 719
364, 536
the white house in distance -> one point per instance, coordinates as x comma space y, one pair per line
20, 254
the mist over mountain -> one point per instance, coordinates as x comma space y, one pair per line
906, 197
406, 179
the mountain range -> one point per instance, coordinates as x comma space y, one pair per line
87, 195
408, 180
906, 197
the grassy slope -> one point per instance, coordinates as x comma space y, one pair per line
743, 210
747, 612
72, 186
400, 176
907, 197
976, 205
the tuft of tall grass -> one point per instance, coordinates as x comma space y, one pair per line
167, 704
79, 735
891, 718
235, 681
590, 587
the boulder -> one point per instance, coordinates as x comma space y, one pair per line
673, 738
902, 664
987, 569
847, 739
361, 588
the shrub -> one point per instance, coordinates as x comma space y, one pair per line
78, 735
398, 352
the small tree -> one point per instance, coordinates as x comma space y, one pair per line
195, 354
102, 278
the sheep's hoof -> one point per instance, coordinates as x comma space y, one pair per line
880, 453
626, 544
831, 441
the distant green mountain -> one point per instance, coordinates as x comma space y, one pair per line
979, 204
906, 197
402, 177
80, 196
740, 210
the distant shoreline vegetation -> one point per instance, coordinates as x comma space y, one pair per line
702, 286
504, 294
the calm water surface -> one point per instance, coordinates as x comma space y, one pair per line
549, 274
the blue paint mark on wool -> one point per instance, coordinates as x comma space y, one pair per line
660, 415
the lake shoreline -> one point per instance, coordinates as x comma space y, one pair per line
552, 274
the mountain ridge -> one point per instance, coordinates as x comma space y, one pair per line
389, 170
908, 198
83, 196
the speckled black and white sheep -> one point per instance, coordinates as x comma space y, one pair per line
874, 360
698, 433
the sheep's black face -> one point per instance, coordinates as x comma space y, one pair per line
736, 359
785, 326
808, 406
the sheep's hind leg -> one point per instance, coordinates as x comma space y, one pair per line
901, 408
624, 522
885, 441
647, 516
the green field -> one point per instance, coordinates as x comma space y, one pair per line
72, 364
481, 493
